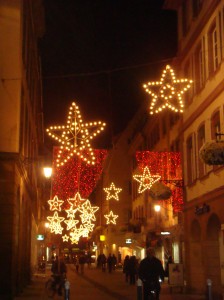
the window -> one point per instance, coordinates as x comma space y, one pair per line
213, 52
191, 172
215, 124
199, 61
188, 95
196, 7
201, 141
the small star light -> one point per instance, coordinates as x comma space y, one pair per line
112, 192
169, 92
146, 180
55, 204
75, 137
111, 218
65, 238
55, 223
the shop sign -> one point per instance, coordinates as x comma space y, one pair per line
40, 237
128, 241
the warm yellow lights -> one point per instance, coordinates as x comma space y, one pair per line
146, 180
169, 91
65, 238
87, 212
55, 204
75, 137
55, 223
157, 208
47, 172
112, 192
111, 218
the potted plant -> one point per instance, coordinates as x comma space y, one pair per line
160, 191
212, 153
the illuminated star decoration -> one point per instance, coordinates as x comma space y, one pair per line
112, 192
55, 204
65, 238
87, 212
111, 218
55, 223
71, 223
169, 94
76, 201
146, 180
75, 137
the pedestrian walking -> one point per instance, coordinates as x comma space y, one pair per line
125, 267
150, 272
110, 263
132, 269
114, 261
76, 263
169, 261
82, 261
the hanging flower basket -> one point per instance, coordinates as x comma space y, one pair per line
160, 191
212, 153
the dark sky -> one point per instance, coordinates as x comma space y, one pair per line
98, 53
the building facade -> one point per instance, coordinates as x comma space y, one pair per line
21, 141
200, 57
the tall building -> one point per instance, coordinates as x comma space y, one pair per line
201, 58
21, 142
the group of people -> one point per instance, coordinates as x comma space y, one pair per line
110, 262
149, 270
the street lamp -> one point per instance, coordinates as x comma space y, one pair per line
47, 172
157, 208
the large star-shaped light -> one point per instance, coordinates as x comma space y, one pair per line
76, 201
71, 223
112, 192
87, 212
75, 137
111, 218
55, 203
167, 92
146, 180
55, 223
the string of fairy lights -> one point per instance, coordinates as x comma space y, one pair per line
77, 166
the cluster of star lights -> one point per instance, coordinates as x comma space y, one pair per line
112, 193
167, 92
146, 180
79, 211
74, 137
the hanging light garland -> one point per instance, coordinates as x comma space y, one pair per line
167, 92
76, 176
75, 137
168, 166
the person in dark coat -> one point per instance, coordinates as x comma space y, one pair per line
110, 263
132, 269
59, 270
150, 272
169, 261
125, 267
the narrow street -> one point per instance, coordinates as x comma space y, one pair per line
95, 284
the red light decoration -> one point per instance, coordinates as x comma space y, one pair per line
76, 176
168, 166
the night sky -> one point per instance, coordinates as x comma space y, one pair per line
98, 53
